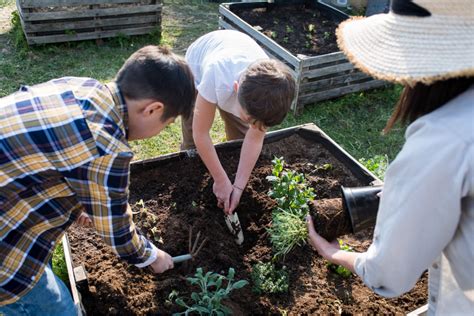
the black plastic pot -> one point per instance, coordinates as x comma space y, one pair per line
362, 204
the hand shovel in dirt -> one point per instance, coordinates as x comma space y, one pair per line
193, 247
233, 224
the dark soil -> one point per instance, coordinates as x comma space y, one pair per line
299, 28
179, 194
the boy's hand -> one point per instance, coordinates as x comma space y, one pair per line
223, 191
234, 199
84, 220
162, 263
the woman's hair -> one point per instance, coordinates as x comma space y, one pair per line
155, 72
422, 99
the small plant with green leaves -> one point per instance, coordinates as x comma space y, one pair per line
268, 279
212, 291
311, 28
377, 164
326, 35
292, 195
289, 188
273, 34
288, 29
342, 271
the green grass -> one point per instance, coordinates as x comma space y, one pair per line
59, 263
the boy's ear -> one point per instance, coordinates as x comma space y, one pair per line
236, 86
154, 108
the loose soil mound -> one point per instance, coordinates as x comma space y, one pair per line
177, 195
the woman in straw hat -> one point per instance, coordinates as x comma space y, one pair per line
426, 214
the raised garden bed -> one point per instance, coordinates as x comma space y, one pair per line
301, 34
52, 21
177, 192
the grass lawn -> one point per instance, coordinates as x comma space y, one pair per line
354, 121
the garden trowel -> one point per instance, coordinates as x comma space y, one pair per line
233, 224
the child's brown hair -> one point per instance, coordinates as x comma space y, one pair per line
266, 90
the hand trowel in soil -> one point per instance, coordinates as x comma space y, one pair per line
233, 224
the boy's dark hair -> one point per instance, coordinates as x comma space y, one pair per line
422, 99
266, 91
157, 73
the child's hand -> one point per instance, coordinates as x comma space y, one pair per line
223, 191
84, 220
162, 263
235, 199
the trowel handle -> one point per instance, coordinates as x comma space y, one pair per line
182, 258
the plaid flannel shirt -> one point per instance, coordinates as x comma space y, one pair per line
63, 150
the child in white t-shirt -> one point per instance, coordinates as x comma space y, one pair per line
233, 74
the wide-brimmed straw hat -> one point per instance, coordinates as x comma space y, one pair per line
417, 41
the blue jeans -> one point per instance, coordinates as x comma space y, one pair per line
49, 297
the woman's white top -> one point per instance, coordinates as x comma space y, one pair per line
426, 213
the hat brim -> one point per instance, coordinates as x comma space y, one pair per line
408, 50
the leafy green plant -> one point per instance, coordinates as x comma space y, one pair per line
289, 188
59, 263
377, 164
288, 29
326, 35
209, 300
268, 279
16, 34
311, 28
292, 195
342, 271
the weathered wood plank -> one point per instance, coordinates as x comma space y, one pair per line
88, 35
259, 37
77, 25
46, 16
64, 3
321, 72
334, 93
333, 82
323, 59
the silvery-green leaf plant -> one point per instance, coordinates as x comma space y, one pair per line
213, 289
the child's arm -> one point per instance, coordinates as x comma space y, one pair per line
251, 149
204, 113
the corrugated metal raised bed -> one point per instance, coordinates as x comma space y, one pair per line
318, 77
52, 21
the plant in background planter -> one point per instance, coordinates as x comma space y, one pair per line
292, 195
209, 300
306, 42
268, 279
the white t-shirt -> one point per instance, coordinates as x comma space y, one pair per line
426, 213
217, 60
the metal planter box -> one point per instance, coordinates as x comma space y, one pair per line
319, 77
52, 21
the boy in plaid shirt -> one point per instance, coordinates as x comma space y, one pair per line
64, 150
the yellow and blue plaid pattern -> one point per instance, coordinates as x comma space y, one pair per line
63, 150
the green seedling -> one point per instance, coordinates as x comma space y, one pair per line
267, 279
213, 289
342, 271
292, 195
311, 28
285, 39
326, 35
273, 34
288, 29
